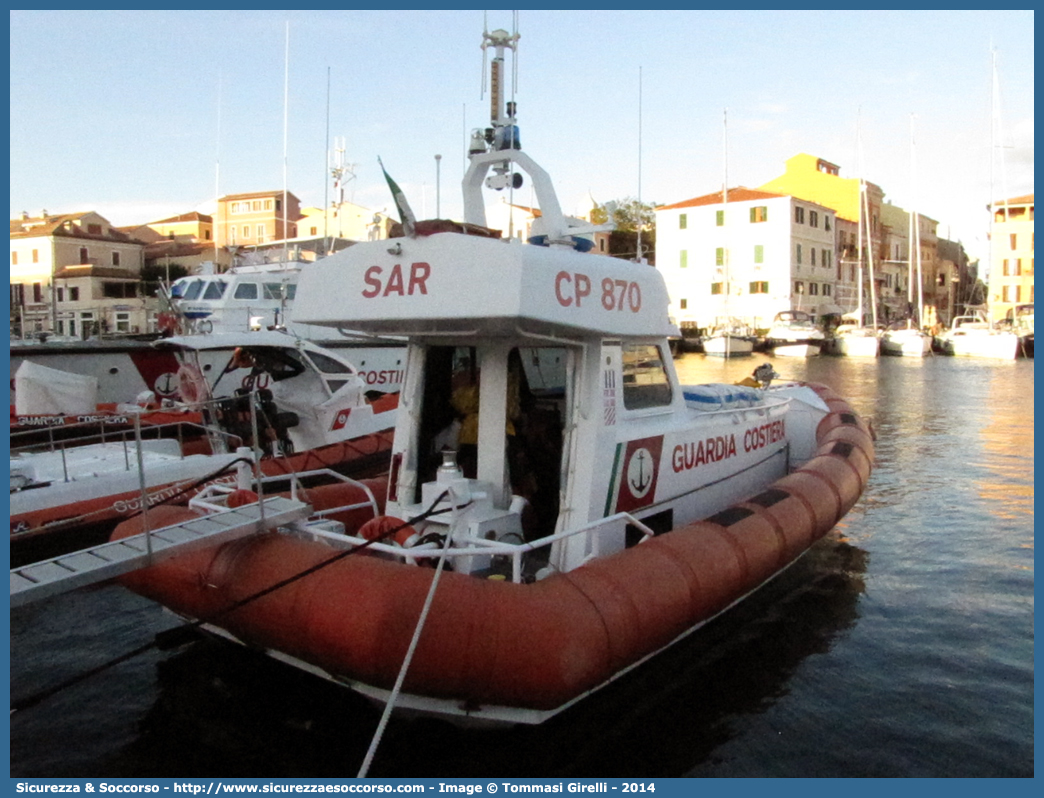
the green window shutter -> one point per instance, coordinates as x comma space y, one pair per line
753, 215
684, 258
720, 216
759, 253
719, 256
683, 221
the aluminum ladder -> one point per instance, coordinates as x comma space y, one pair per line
96, 564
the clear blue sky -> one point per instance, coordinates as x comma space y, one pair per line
129, 112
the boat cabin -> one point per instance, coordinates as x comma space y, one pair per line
554, 388
304, 396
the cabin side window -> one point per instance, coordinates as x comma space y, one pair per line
645, 381
246, 291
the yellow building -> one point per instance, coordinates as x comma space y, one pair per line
193, 226
1011, 247
816, 180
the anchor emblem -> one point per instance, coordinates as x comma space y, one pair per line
165, 384
639, 476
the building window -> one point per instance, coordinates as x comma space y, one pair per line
798, 250
14, 258
826, 258
122, 322
1018, 267
74, 294
799, 287
261, 232
683, 221
684, 261
826, 289
246, 231
268, 205
120, 290
719, 218
759, 253
61, 294
799, 214
115, 258
683, 304
716, 288
314, 231
826, 223
279, 205
813, 219
257, 205
83, 255
38, 293
36, 256
813, 289
719, 256
759, 213
759, 287
206, 235
232, 234
812, 256
1014, 239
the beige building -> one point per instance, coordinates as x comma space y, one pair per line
246, 220
1011, 247
345, 220
76, 275
185, 241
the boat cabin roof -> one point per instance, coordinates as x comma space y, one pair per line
235, 340
449, 284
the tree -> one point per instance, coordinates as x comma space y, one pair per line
152, 274
628, 214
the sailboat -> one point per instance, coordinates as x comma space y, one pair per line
730, 337
851, 338
910, 341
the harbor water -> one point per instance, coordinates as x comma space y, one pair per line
901, 645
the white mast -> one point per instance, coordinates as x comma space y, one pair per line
915, 236
725, 223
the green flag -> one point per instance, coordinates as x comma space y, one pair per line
406, 216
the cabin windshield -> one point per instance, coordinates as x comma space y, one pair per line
192, 289
215, 289
645, 380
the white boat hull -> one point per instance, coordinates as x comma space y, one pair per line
906, 343
796, 350
997, 345
728, 346
857, 345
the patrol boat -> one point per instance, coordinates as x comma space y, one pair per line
530, 543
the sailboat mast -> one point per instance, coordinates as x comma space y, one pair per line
725, 225
859, 252
915, 227
870, 256
724, 207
